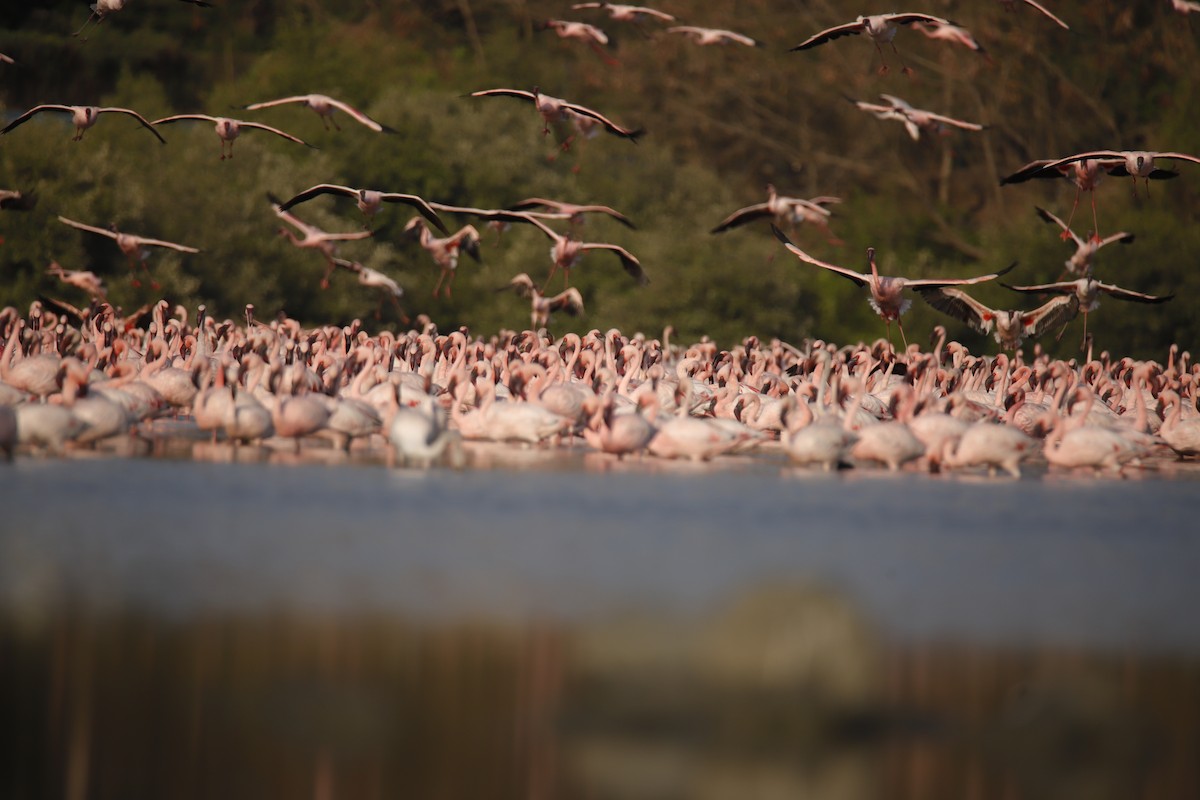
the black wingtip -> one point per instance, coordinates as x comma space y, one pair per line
780, 235
1007, 269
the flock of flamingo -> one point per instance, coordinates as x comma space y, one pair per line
74, 378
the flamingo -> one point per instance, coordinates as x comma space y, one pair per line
83, 118
566, 252
369, 201
554, 109
714, 36
16, 200
6, 59
312, 237
133, 246
949, 32
418, 433
80, 279
1185, 6
1072, 443
1009, 6
891, 442
573, 211
102, 8
1181, 435
1133, 163
445, 250
1081, 262
887, 292
229, 129
823, 442
786, 211
569, 300
990, 444
325, 106
881, 28
1087, 291
625, 13
914, 119
1012, 327
1085, 174
622, 432
376, 280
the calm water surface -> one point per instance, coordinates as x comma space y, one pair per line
563, 625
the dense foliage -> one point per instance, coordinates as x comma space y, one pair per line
722, 122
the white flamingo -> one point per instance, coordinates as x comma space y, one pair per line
714, 36
369, 201
325, 106
1012, 327
229, 129
880, 28
83, 118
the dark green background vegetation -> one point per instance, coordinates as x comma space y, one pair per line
722, 122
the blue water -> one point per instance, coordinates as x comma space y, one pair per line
1044, 560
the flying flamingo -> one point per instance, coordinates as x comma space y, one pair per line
133, 246
376, 280
914, 119
1085, 250
573, 211
1087, 291
324, 106
569, 300
593, 36
1134, 163
1085, 174
102, 8
16, 200
887, 292
1012, 327
949, 32
566, 252
786, 211
312, 237
1185, 6
83, 117
80, 279
881, 28
229, 129
554, 109
1009, 6
626, 13
714, 36
445, 250
369, 201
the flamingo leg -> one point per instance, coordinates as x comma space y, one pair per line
905, 68
553, 269
883, 67
903, 338
437, 287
